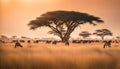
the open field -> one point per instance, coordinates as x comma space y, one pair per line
48, 56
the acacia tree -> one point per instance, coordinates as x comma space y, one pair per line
118, 37
84, 34
102, 33
3, 37
14, 37
63, 23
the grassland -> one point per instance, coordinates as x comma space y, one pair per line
48, 56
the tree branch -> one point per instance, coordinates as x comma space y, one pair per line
55, 30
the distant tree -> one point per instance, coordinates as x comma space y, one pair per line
118, 37
14, 37
102, 33
24, 37
3, 37
63, 23
84, 34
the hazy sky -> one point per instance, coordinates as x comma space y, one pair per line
16, 14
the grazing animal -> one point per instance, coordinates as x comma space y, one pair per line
28, 41
36, 41
48, 41
22, 41
67, 43
1, 41
14, 41
107, 43
17, 44
54, 42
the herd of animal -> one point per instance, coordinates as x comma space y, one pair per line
106, 42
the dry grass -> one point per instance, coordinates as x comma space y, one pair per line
48, 56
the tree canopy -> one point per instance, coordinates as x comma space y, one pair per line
3, 37
63, 23
85, 34
103, 32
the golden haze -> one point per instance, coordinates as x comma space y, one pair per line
16, 14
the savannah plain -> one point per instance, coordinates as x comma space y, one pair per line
48, 56
59, 18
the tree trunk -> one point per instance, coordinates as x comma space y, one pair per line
102, 37
65, 40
